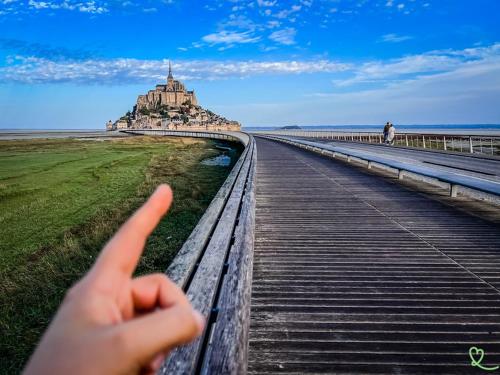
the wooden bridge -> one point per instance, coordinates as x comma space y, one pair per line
305, 263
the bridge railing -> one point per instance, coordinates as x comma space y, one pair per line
214, 268
473, 186
228, 136
472, 144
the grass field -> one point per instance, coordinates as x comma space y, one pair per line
61, 199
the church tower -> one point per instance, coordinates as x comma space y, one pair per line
170, 76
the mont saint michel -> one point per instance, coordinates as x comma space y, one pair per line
171, 106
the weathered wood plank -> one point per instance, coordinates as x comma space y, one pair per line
204, 286
183, 264
354, 273
228, 348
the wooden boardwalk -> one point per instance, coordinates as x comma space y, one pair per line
354, 273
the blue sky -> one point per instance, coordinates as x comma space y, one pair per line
77, 64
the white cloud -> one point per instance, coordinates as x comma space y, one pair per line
228, 37
390, 73
33, 70
394, 38
407, 67
85, 7
93, 7
285, 13
285, 36
266, 3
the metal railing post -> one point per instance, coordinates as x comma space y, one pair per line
471, 148
453, 190
423, 141
444, 143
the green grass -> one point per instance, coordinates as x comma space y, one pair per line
60, 200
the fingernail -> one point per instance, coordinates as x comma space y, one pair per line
200, 320
164, 187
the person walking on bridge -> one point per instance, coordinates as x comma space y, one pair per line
391, 134
386, 131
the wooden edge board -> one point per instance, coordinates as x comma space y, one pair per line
227, 351
203, 288
184, 262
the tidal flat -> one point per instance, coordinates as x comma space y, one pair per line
62, 199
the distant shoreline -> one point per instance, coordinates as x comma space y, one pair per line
464, 129
19, 134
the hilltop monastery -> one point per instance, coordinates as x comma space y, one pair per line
171, 106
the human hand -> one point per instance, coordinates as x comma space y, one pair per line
110, 323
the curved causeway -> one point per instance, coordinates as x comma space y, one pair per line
355, 273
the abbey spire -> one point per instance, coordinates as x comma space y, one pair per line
170, 76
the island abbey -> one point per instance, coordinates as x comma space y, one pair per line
174, 93
171, 106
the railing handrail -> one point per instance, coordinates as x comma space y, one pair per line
214, 268
349, 132
471, 144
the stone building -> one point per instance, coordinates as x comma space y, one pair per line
171, 106
121, 124
174, 93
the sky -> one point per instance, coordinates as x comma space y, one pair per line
75, 64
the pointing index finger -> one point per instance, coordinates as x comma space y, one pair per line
120, 256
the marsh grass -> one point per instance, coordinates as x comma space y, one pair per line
61, 200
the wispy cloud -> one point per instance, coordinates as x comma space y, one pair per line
92, 7
285, 36
230, 38
32, 70
269, 22
53, 67
408, 67
394, 38
86, 7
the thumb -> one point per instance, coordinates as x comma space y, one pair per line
160, 331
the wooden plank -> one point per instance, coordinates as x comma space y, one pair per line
353, 273
182, 266
228, 348
204, 286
